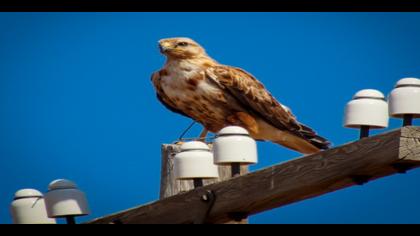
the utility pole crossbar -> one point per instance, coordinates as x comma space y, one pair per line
351, 164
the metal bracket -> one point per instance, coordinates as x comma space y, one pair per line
402, 168
361, 179
116, 222
238, 216
210, 198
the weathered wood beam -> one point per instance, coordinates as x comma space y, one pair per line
306, 177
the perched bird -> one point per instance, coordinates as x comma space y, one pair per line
192, 84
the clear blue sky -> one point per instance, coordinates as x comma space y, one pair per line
76, 100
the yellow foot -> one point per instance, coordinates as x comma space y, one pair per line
179, 143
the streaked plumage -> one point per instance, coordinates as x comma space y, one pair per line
194, 85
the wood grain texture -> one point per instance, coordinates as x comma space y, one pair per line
410, 144
286, 183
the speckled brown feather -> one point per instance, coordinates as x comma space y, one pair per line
252, 94
161, 96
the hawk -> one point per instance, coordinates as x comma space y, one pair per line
193, 84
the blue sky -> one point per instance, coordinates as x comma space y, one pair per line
76, 100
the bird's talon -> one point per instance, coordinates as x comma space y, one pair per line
179, 143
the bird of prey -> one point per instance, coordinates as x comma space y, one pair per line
193, 84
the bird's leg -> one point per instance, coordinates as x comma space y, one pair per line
202, 137
180, 141
203, 134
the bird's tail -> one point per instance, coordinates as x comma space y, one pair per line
303, 139
306, 141
312, 137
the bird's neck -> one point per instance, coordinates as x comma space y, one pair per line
201, 61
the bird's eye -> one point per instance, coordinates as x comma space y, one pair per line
182, 44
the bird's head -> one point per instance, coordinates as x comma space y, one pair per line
181, 48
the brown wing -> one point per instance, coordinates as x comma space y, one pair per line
253, 95
160, 94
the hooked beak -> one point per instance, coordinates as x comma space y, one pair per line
163, 47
